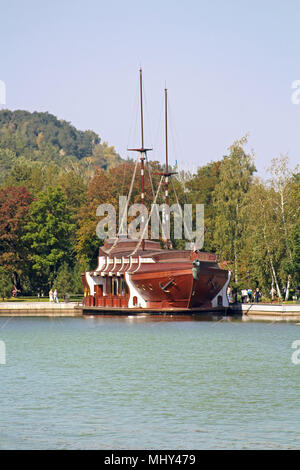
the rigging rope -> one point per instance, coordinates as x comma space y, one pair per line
185, 226
126, 206
146, 225
152, 188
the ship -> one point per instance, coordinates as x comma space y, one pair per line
142, 276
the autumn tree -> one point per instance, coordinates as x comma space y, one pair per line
14, 207
106, 187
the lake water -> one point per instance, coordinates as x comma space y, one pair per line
134, 383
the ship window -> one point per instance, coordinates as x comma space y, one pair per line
115, 286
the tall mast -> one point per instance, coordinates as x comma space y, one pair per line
167, 174
166, 127
142, 115
142, 157
143, 152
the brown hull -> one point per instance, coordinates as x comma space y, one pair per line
153, 278
176, 287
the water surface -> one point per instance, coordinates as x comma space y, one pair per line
129, 383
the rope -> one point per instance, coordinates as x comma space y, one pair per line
146, 225
126, 206
185, 227
152, 187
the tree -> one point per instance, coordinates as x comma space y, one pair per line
5, 283
106, 187
296, 251
64, 280
50, 235
229, 198
286, 202
202, 187
263, 248
105, 157
7, 160
68, 280
14, 208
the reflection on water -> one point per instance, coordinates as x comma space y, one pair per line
148, 382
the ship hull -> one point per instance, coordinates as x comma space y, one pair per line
177, 288
154, 279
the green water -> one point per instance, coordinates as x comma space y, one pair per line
121, 383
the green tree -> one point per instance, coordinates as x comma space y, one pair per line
5, 283
286, 203
296, 251
201, 188
105, 156
50, 235
263, 248
7, 160
64, 280
68, 280
229, 198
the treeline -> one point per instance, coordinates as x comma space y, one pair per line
48, 210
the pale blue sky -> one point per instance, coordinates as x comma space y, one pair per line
228, 65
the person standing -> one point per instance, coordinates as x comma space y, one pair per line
51, 295
257, 295
229, 294
250, 295
244, 295
56, 297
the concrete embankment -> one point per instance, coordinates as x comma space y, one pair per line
270, 312
39, 309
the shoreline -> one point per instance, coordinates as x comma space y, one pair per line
39, 309
266, 312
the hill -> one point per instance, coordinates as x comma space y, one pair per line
42, 137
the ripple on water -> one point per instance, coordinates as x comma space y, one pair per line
110, 383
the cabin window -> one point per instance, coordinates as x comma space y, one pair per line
135, 301
99, 290
115, 286
109, 279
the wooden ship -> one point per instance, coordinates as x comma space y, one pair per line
137, 276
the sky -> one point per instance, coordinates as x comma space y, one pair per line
228, 65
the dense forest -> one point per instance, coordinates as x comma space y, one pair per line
53, 177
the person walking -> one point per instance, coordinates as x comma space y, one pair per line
51, 295
250, 295
244, 295
56, 297
229, 294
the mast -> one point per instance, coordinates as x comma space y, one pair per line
142, 157
143, 152
167, 173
